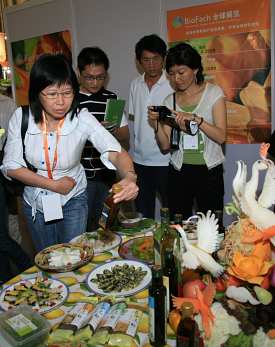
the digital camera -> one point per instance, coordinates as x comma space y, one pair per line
163, 112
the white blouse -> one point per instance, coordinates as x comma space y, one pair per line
73, 136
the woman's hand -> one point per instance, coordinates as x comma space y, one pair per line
63, 185
129, 188
181, 117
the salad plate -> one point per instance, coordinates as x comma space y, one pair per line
143, 225
99, 241
119, 278
29, 292
63, 257
139, 248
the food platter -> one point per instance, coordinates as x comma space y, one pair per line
29, 292
139, 248
112, 276
63, 257
98, 243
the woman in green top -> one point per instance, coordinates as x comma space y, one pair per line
196, 172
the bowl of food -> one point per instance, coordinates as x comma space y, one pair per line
63, 257
138, 248
100, 241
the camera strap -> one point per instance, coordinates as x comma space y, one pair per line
174, 101
175, 132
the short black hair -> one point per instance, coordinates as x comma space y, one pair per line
50, 69
92, 56
184, 54
152, 43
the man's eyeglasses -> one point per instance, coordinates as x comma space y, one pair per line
90, 78
53, 95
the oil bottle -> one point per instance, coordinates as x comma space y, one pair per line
157, 309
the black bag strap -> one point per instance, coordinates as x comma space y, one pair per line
174, 101
24, 128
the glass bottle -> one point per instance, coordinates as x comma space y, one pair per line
157, 309
178, 217
170, 278
168, 235
110, 209
158, 233
187, 331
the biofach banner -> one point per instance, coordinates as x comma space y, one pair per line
233, 38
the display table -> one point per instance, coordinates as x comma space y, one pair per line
80, 292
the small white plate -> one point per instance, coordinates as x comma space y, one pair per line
108, 266
4, 305
98, 246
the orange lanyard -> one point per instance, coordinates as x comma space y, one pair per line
46, 145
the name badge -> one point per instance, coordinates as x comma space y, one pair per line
52, 207
190, 142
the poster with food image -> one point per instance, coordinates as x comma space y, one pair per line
25, 52
233, 38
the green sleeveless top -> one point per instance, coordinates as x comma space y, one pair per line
194, 156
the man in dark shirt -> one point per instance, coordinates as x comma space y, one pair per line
93, 65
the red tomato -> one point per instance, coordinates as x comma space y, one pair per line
266, 282
233, 281
220, 285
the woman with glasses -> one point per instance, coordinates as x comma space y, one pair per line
196, 170
55, 198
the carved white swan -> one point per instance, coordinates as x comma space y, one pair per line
193, 256
239, 183
257, 210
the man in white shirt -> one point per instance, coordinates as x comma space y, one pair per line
149, 89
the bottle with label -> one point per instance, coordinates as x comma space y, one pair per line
110, 319
99, 312
187, 331
158, 233
157, 309
110, 209
128, 322
168, 235
170, 278
177, 251
77, 317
